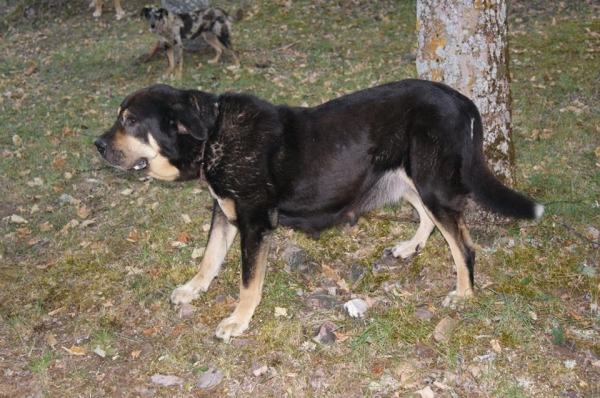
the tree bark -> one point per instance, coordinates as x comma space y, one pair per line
464, 44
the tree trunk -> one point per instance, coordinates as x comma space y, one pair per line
464, 44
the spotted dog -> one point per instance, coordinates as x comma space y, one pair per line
314, 168
213, 24
97, 4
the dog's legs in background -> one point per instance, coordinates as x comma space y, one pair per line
221, 236
255, 248
214, 43
407, 249
178, 50
219, 47
171, 59
98, 12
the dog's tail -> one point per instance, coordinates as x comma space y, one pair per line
487, 189
239, 15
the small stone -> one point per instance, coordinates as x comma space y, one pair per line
210, 378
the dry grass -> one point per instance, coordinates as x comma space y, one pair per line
95, 263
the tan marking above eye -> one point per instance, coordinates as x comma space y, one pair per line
118, 111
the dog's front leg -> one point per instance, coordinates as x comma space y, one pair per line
255, 249
221, 236
171, 59
178, 49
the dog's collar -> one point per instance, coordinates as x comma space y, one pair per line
202, 175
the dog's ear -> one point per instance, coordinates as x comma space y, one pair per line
187, 121
163, 12
145, 12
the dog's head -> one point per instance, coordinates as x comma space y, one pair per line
160, 130
156, 17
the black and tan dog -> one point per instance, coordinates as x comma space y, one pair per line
313, 168
213, 24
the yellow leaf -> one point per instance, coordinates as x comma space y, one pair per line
74, 350
136, 354
134, 236
83, 212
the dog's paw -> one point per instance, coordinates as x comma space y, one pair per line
184, 294
454, 301
404, 250
120, 15
97, 14
231, 327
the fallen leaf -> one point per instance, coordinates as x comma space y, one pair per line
136, 354
496, 346
59, 161
166, 380
427, 392
16, 219
46, 227
51, 340
198, 252
356, 308
127, 192
17, 140
444, 329
75, 350
134, 236
83, 212
100, 352
324, 334
423, 313
210, 378
184, 237
186, 218
258, 370
279, 311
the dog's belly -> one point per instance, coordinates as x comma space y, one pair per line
315, 212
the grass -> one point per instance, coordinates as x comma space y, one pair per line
95, 263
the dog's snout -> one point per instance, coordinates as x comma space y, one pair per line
101, 145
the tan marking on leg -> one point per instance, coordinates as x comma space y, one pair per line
98, 11
463, 282
250, 297
171, 59
226, 205
214, 43
220, 240
118, 10
426, 225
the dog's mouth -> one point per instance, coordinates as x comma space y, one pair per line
141, 164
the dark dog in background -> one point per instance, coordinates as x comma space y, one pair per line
213, 24
314, 168
97, 4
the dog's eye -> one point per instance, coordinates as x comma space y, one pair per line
131, 120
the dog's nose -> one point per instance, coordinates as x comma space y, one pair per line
101, 145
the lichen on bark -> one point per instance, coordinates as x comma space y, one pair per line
464, 44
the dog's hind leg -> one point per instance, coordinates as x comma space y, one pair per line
452, 226
214, 42
221, 236
409, 248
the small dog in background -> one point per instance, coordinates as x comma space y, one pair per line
98, 5
213, 24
